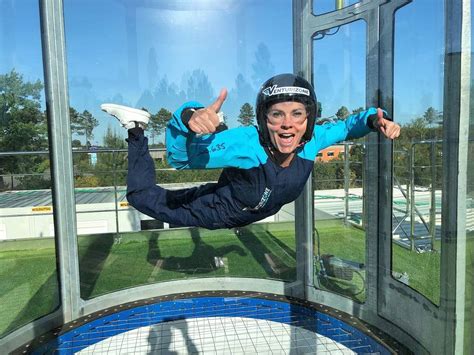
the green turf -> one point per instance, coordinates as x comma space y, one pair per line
28, 280
334, 239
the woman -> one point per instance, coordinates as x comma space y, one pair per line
265, 167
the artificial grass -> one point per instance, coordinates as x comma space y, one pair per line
28, 279
29, 286
334, 239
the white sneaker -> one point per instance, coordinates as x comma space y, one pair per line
127, 115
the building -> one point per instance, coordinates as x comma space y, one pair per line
330, 153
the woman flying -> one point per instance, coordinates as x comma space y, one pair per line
264, 167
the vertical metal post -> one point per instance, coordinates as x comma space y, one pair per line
114, 172
57, 105
456, 114
412, 197
433, 194
304, 219
347, 174
372, 160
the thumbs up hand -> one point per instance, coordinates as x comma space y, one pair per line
385, 126
206, 120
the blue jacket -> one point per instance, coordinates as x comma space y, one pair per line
252, 186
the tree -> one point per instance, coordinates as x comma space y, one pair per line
431, 116
413, 132
263, 68
83, 124
152, 67
113, 140
342, 113
158, 122
199, 88
111, 167
22, 122
247, 115
357, 110
319, 113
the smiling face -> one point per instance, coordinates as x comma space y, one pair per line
286, 123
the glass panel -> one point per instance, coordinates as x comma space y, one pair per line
28, 277
469, 298
323, 6
418, 108
158, 55
339, 72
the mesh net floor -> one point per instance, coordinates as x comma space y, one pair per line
218, 335
211, 324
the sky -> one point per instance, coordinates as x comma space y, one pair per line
145, 53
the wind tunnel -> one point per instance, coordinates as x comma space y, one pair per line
375, 256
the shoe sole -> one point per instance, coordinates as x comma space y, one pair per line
105, 107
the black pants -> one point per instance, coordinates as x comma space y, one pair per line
193, 207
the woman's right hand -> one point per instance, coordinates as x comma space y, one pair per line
206, 120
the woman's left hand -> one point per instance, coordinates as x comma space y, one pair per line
388, 128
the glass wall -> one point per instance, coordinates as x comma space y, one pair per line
158, 55
469, 297
28, 277
417, 177
339, 79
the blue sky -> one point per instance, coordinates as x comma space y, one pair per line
123, 50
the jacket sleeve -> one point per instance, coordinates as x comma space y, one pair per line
238, 147
354, 126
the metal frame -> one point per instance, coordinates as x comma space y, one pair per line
457, 91
379, 88
384, 296
57, 104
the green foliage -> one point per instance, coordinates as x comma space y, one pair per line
113, 140
246, 116
34, 182
424, 128
83, 124
356, 157
342, 113
158, 122
22, 123
329, 175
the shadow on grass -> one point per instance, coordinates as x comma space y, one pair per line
47, 299
273, 267
343, 287
202, 259
91, 262
283, 246
43, 302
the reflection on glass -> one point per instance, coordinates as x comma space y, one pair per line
469, 296
263, 250
340, 71
417, 180
158, 55
28, 278
323, 6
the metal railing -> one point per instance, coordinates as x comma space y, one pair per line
411, 210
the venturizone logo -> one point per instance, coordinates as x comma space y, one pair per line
275, 90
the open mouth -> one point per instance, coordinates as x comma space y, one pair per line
286, 139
